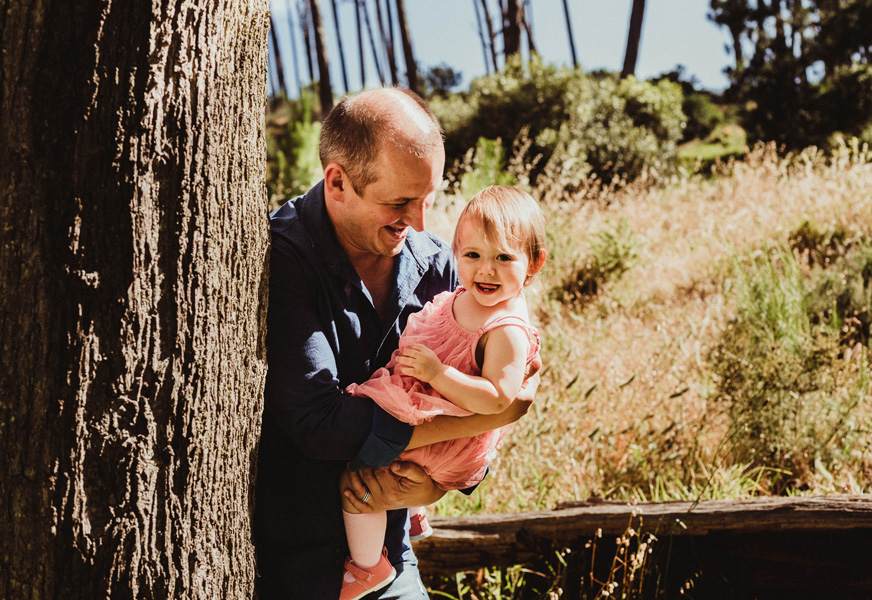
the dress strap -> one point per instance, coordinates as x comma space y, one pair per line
532, 333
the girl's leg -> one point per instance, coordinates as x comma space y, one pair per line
366, 537
365, 532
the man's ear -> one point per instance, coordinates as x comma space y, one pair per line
336, 183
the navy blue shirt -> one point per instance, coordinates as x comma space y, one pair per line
324, 333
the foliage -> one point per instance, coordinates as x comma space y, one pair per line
485, 165
780, 360
577, 122
440, 79
612, 252
801, 69
702, 115
293, 164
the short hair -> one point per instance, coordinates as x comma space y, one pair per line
355, 131
510, 217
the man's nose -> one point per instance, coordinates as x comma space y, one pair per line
414, 215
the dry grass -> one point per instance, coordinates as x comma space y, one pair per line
625, 408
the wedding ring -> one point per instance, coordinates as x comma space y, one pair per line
365, 497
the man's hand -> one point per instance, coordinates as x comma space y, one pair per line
401, 485
420, 362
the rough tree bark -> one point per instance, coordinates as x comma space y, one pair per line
132, 254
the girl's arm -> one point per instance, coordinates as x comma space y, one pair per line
502, 372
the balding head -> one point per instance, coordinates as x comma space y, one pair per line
359, 127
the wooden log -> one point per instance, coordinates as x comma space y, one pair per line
468, 543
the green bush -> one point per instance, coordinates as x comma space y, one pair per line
702, 116
293, 164
484, 166
587, 125
612, 253
778, 368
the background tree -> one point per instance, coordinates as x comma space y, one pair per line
408, 55
490, 33
802, 68
387, 37
133, 245
341, 50
482, 37
633, 38
278, 56
325, 88
306, 28
513, 19
569, 31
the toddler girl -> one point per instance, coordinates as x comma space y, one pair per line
465, 352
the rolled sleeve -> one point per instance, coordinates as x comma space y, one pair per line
387, 440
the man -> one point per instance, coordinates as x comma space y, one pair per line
350, 261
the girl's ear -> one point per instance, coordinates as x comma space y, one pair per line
536, 266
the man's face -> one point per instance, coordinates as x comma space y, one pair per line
377, 222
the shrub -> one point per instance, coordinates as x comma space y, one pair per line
583, 123
778, 370
612, 252
702, 116
293, 164
484, 166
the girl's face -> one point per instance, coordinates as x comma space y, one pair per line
494, 276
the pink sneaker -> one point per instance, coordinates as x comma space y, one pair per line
419, 528
357, 582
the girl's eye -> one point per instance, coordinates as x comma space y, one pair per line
471, 255
505, 257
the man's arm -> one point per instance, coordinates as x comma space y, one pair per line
405, 484
303, 390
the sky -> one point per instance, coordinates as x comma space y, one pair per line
674, 32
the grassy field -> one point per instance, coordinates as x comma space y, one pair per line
693, 346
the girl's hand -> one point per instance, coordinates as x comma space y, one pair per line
420, 362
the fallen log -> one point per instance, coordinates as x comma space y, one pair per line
815, 542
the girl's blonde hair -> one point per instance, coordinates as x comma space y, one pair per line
511, 219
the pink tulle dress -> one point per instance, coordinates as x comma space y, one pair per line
454, 464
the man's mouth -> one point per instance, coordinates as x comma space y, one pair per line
487, 288
397, 232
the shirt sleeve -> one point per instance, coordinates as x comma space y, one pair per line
303, 392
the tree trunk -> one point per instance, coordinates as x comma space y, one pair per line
484, 45
633, 38
291, 28
490, 34
325, 89
387, 38
360, 54
528, 27
375, 56
280, 72
305, 20
341, 50
133, 244
569, 31
408, 55
512, 28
